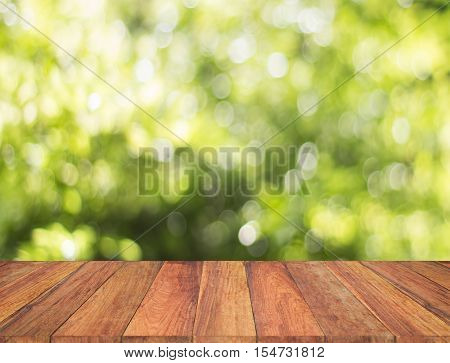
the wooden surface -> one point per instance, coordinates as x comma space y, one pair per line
224, 301
167, 312
224, 311
427, 293
19, 292
39, 319
280, 310
341, 315
403, 316
106, 314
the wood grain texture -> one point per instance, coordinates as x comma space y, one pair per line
167, 312
224, 311
10, 271
281, 314
23, 290
403, 316
40, 318
431, 270
105, 316
342, 317
224, 301
427, 293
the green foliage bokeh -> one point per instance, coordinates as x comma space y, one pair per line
224, 73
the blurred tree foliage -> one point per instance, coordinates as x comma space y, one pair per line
224, 73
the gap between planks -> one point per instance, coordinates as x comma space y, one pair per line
106, 314
406, 319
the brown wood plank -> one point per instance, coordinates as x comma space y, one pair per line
342, 317
291, 302
20, 292
427, 293
12, 270
105, 316
445, 263
281, 314
168, 310
407, 319
43, 316
431, 270
224, 311
424, 339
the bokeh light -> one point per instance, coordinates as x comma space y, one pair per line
374, 156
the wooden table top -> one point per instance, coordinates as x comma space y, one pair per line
116, 301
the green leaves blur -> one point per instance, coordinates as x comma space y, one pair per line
221, 73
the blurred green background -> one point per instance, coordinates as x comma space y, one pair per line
224, 73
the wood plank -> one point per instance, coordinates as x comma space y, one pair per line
424, 339
403, 316
431, 270
445, 263
427, 293
168, 310
43, 316
281, 314
105, 316
22, 291
224, 312
342, 317
12, 270
297, 302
